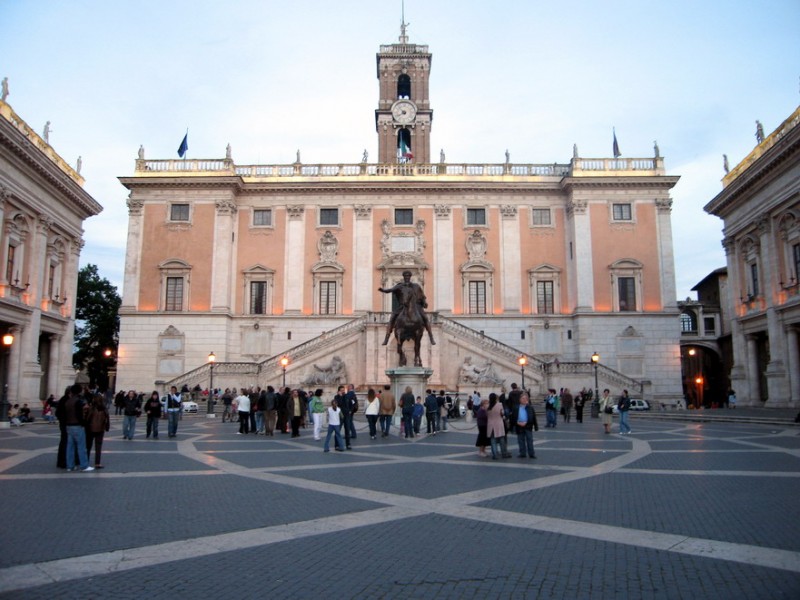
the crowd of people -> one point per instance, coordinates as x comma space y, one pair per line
84, 416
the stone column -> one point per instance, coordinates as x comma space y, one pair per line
70, 280
777, 381
793, 355
364, 286
510, 260
222, 256
752, 372
669, 294
738, 375
53, 383
133, 253
443, 259
294, 267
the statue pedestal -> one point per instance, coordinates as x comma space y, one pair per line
416, 377
402, 377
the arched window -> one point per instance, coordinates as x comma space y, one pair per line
688, 322
404, 86
404, 153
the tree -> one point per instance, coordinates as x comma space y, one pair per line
96, 325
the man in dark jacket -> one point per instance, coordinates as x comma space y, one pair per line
349, 409
524, 419
72, 412
431, 408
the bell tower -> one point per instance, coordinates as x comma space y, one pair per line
404, 116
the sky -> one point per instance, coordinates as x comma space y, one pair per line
270, 77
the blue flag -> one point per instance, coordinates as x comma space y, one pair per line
617, 153
184, 145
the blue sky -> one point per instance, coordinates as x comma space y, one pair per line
535, 77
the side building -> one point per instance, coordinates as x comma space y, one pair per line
548, 262
42, 206
760, 207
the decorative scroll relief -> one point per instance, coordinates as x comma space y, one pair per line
442, 211
664, 204
508, 211
45, 223
328, 247
577, 207
476, 246
226, 207
763, 223
135, 207
403, 243
295, 211
362, 211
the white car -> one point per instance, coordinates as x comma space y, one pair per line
636, 405
190, 407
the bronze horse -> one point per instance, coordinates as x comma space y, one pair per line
409, 326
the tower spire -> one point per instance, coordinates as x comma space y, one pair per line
403, 24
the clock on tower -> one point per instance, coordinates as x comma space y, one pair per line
403, 117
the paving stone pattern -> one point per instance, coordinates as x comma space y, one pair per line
675, 510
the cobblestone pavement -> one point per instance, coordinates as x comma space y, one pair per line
675, 510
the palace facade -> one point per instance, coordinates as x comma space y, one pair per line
258, 262
760, 208
42, 207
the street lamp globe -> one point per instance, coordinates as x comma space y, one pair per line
212, 358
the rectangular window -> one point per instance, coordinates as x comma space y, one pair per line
756, 290
627, 293
258, 297
544, 297
327, 297
477, 297
796, 258
174, 300
541, 216
708, 325
51, 277
179, 212
12, 250
403, 216
476, 216
328, 216
262, 217
622, 212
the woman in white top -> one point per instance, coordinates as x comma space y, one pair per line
334, 426
243, 406
372, 410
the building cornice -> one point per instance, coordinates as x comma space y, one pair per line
18, 139
765, 160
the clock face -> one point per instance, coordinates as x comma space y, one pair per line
404, 111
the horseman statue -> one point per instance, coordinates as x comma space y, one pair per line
408, 317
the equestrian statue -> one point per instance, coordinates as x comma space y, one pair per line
408, 320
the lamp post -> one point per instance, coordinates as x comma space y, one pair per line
8, 339
699, 381
596, 399
284, 363
522, 360
210, 409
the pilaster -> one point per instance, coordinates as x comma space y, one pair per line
294, 266
510, 260
130, 288
221, 260
443, 259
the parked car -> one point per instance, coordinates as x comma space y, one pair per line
188, 406
636, 405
